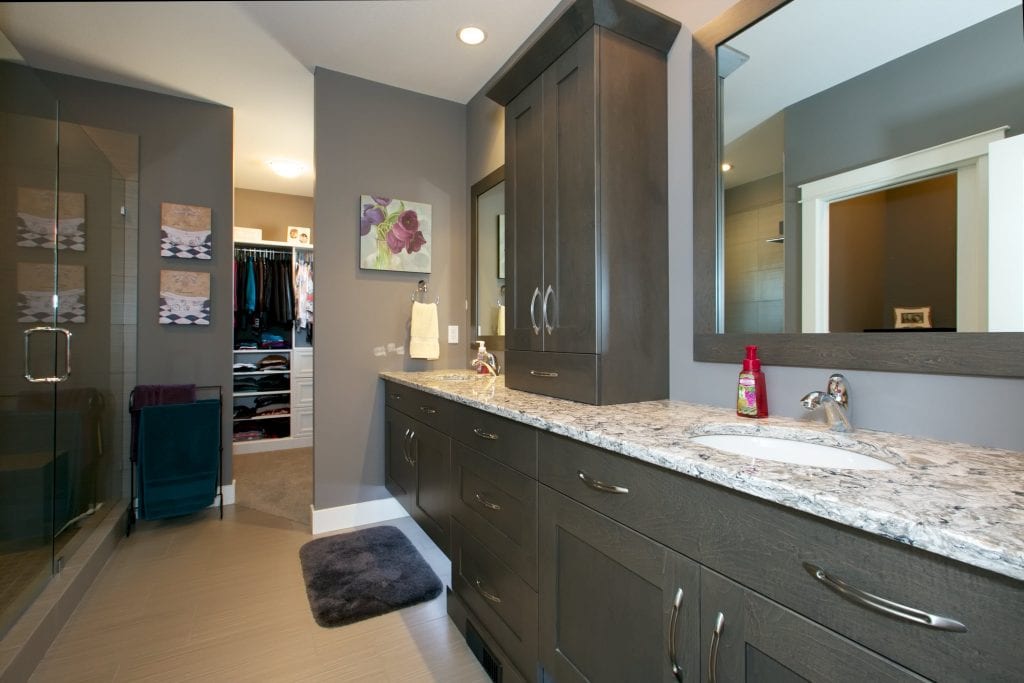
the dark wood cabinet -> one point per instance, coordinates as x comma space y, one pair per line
614, 605
586, 200
417, 473
747, 638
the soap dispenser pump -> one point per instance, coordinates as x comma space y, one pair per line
752, 393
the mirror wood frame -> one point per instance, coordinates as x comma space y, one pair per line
999, 354
493, 342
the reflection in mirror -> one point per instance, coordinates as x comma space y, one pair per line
488, 254
862, 181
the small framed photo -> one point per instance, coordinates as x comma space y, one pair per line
920, 316
297, 235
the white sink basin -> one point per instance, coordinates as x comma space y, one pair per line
791, 451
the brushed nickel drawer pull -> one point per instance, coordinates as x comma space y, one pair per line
600, 485
396, 397
716, 638
427, 410
874, 602
673, 626
489, 596
543, 373
548, 327
485, 435
486, 503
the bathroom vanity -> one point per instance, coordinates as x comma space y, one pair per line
604, 543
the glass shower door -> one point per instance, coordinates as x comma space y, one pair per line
34, 351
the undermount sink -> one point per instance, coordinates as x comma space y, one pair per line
791, 451
463, 377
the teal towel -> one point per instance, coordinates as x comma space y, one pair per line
179, 458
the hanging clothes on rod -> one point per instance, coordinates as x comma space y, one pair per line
303, 280
264, 289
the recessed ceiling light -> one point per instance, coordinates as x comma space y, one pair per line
471, 35
726, 166
286, 168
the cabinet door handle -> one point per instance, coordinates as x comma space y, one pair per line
485, 435
396, 397
408, 453
427, 410
673, 626
405, 445
543, 373
716, 638
489, 596
879, 604
600, 485
544, 309
533, 310
486, 503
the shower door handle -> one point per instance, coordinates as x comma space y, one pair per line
67, 355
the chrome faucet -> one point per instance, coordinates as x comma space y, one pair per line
492, 364
836, 401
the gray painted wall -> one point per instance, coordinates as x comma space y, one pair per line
373, 138
185, 156
969, 409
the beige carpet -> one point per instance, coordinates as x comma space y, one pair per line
276, 482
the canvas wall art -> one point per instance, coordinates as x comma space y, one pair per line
394, 234
35, 219
35, 294
184, 298
185, 231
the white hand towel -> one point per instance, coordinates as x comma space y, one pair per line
423, 341
500, 331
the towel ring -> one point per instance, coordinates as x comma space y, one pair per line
420, 296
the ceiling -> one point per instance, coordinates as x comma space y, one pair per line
259, 57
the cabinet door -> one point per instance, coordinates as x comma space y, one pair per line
524, 224
432, 453
746, 637
569, 297
399, 466
608, 600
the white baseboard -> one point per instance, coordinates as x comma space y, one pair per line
357, 514
229, 494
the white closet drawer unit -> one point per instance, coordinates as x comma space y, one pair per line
302, 362
302, 421
302, 391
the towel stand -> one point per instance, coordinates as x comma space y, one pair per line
132, 409
420, 296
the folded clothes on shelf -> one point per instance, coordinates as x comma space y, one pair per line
245, 367
274, 361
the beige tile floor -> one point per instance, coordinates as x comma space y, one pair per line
206, 599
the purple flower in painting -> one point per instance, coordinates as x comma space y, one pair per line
383, 201
405, 233
372, 215
417, 241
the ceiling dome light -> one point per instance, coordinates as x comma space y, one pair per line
726, 167
471, 35
286, 168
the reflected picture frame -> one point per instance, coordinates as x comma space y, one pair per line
501, 246
905, 317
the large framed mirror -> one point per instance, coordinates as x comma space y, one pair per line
487, 268
857, 176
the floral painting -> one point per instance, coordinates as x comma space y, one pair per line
394, 234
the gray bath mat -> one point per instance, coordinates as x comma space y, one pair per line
358, 575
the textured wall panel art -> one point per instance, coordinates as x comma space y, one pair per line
184, 298
35, 294
185, 231
35, 219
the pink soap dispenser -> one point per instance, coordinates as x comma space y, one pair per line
752, 394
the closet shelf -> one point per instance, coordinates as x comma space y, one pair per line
262, 417
241, 373
263, 351
277, 392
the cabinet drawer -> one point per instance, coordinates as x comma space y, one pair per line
571, 376
302, 362
303, 393
508, 442
427, 408
302, 421
502, 601
767, 548
657, 503
499, 506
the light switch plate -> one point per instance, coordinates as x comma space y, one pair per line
453, 334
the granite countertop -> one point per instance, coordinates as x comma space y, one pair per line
959, 501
